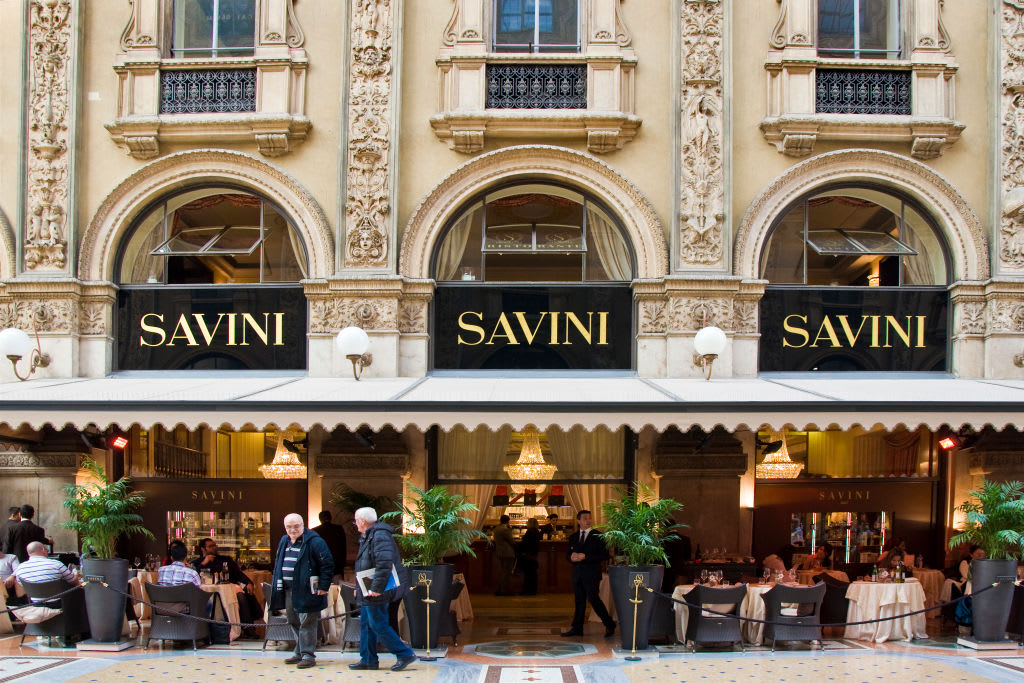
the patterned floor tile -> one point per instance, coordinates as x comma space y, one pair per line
12, 668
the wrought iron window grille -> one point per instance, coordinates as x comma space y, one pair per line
862, 91
536, 86
204, 91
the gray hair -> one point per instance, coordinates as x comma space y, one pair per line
366, 514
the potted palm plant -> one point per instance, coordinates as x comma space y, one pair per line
101, 512
442, 529
636, 526
993, 520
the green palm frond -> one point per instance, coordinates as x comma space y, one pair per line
445, 528
638, 528
994, 520
102, 511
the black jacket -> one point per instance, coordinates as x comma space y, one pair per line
20, 535
334, 535
595, 551
217, 564
314, 560
378, 551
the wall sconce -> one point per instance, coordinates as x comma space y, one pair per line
352, 342
15, 344
708, 344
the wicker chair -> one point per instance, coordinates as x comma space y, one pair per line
71, 623
277, 628
835, 606
353, 620
704, 627
804, 624
172, 605
449, 626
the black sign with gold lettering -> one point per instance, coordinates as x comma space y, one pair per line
871, 328
503, 327
229, 328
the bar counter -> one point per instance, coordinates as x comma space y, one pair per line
554, 575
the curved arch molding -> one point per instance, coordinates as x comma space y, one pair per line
8, 254
968, 245
535, 162
112, 220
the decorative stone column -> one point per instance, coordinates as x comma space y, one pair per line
48, 230
1009, 251
372, 117
968, 331
702, 228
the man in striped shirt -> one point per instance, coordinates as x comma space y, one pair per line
177, 573
40, 568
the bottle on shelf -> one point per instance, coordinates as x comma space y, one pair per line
874, 574
698, 556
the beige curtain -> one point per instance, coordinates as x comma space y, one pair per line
454, 246
300, 253
589, 497
610, 248
479, 495
479, 454
586, 455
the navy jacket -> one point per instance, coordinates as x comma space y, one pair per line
314, 560
378, 551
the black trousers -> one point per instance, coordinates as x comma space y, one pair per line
585, 589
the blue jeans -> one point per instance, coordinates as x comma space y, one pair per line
374, 626
304, 628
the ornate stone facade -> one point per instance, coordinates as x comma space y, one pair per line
702, 190
371, 112
1011, 226
49, 179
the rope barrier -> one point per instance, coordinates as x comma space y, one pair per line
754, 620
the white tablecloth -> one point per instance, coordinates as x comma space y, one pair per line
5, 618
875, 600
805, 577
931, 581
751, 607
228, 593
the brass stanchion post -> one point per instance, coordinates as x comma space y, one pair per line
638, 581
428, 602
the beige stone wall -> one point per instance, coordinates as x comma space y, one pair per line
11, 14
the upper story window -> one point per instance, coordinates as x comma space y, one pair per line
534, 233
859, 29
536, 26
214, 28
854, 237
213, 235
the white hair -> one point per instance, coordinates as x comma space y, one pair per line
366, 514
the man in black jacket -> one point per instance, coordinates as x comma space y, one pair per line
586, 552
24, 532
376, 559
302, 574
334, 536
211, 560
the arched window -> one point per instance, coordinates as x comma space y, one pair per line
212, 235
854, 236
534, 233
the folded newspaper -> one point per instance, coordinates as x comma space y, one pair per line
365, 579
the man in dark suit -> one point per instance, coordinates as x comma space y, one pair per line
334, 536
586, 553
24, 532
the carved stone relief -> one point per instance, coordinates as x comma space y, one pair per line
51, 315
702, 191
45, 245
368, 204
653, 318
972, 318
93, 318
412, 317
331, 315
693, 314
1006, 316
1011, 229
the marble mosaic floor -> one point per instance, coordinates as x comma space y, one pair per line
516, 641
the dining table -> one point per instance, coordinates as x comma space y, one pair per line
258, 578
228, 609
805, 577
751, 607
931, 581
870, 600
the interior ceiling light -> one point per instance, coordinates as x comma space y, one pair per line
776, 463
531, 464
285, 464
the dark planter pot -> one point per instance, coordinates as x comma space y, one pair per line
105, 607
991, 609
623, 590
440, 576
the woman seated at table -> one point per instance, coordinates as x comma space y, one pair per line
894, 552
821, 559
973, 553
781, 560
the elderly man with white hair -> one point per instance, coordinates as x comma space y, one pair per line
302, 575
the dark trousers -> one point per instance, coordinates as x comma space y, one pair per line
529, 565
508, 565
374, 627
303, 628
585, 590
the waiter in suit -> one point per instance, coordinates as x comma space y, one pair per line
586, 553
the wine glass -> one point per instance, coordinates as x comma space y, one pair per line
136, 562
767, 574
703, 575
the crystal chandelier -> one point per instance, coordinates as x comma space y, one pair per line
285, 465
777, 465
530, 465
